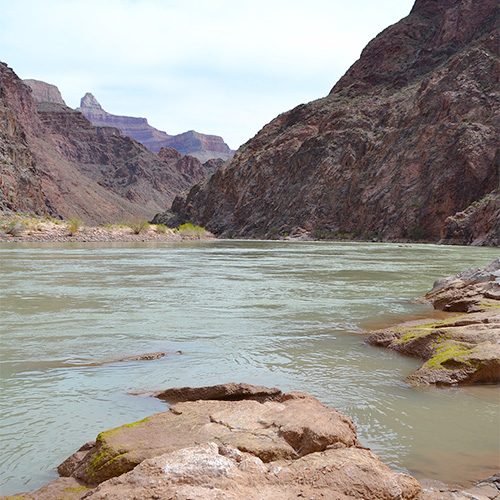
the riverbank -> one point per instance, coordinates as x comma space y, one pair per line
19, 228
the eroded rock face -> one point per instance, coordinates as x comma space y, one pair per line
56, 162
462, 349
44, 92
407, 138
20, 180
210, 471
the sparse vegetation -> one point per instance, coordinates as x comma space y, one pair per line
15, 227
189, 230
139, 227
161, 228
74, 224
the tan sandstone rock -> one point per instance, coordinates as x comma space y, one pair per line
462, 349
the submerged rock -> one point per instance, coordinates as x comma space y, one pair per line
459, 350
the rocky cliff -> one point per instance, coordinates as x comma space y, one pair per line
57, 162
20, 182
44, 92
204, 147
405, 140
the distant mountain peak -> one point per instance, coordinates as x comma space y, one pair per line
201, 146
88, 101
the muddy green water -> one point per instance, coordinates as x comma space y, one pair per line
287, 314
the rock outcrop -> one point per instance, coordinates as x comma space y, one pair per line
462, 349
407, 138
283, 446
56, 162
478, 224
44, 92
201, 146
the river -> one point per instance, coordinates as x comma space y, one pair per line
288, 314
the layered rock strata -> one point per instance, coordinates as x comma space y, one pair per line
406, 139
201, 146
54, 161
281, 446
463, 349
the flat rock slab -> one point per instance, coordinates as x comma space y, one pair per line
226, 392
296, 425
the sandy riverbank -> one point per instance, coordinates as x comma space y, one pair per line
32, 229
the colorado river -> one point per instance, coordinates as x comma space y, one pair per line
286, 314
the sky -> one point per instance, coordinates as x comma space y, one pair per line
221, 67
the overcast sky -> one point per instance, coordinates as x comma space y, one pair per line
223, 67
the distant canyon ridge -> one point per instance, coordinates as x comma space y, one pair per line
54, 161
404, 148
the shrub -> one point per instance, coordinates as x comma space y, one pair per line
161, 228
15, 227
139, 226
74, 224
191, 231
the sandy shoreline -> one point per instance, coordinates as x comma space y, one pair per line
32, 230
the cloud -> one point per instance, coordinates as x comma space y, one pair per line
220, 66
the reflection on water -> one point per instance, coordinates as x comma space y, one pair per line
285, 314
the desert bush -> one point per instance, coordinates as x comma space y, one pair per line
74, 224
191, 231
161, 228
15, 227
139, 226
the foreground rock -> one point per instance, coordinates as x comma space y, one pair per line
464, 349
283, 446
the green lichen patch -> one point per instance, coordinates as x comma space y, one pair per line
420, 330
450, 355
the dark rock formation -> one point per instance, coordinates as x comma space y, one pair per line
459, 350
222, 392
407, 138
55, 161
201, 146
478, 224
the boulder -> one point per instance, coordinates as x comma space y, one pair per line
209, 471
271, 430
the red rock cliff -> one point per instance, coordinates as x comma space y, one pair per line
407, 138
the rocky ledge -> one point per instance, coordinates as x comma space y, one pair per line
238, 441
248, 443
461, 349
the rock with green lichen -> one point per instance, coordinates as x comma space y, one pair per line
462, 349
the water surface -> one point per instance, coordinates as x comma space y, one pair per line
287, 314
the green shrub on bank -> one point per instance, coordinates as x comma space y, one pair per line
161, 228
139, 227
74, 224
191, 231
